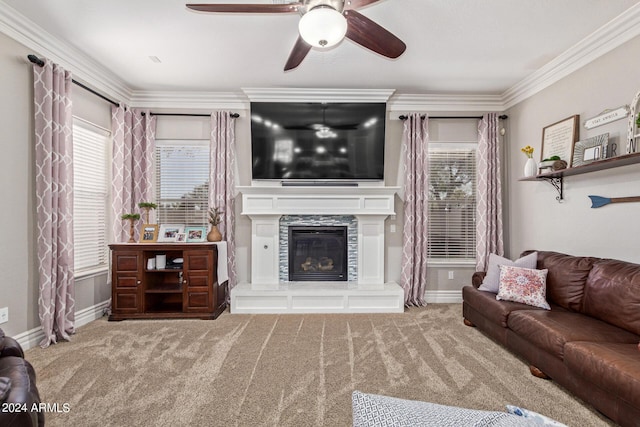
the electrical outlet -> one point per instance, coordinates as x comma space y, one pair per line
450, 274
392, 228
4, 314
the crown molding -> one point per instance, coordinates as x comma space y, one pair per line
317, 95
83, 68
190, 100
403, 103
613, 34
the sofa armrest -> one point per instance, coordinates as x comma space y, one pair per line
10, 347
477, 278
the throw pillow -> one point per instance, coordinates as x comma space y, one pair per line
539, 419
491, 281
524, 285
373, 410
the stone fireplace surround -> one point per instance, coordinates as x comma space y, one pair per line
272, 208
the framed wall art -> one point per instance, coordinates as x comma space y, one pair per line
559, 138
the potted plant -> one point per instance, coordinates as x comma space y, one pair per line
132, 218
214, 234
147, 206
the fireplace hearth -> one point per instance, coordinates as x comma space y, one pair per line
317, 253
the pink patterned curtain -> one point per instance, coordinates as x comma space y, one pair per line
489, 205
222, 192
413, 279
54, 201
132, 167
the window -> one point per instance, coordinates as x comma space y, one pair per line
182, 181
90, 150
452, 191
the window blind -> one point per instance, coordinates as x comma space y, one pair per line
452, 201
90, 197
182, 181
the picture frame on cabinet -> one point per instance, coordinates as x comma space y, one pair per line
149, 233
181, 238
196, 234
169, 232
558, 139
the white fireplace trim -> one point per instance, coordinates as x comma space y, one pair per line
265, 205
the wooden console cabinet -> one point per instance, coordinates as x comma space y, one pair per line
181, 290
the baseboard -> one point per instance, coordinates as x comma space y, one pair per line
443, 297
32, 338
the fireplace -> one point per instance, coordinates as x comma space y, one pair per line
317, 253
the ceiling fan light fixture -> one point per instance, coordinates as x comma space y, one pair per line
323, 26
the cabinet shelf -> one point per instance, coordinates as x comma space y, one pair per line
165, 289
556, 178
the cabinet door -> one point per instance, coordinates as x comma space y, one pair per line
126, 288
198, 276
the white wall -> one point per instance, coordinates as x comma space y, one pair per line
535, 219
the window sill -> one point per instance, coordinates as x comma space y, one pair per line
89, 273
460, 263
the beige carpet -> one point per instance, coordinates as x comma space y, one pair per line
284, 370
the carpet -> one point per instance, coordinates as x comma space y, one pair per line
284, 370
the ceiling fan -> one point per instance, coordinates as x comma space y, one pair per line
323, 23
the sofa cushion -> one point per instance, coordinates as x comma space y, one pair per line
614, 367
551, 330
524, 285
612, 294
566, 278
495, 311
491, 282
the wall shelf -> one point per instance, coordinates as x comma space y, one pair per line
556, 178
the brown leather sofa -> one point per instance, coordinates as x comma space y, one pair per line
587, 342
20, 405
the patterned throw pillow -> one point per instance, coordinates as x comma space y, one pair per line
491, 281
524, 285
539, 419
373, 410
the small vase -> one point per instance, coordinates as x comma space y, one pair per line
214, 235
530, 168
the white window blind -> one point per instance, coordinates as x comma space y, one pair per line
90, 175
452, 202
182, 181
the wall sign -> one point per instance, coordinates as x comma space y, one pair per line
558, 139
607, 116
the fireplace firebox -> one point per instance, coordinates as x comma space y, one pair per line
318, 253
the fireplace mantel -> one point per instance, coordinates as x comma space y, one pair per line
317, 200
265, 205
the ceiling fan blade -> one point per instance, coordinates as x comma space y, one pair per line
246, 8
357, 4
298, 53
367, 33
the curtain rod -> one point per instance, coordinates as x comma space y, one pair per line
39, 62
234, 115
403, 117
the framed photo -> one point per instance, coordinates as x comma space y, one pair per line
149, 233
559, 138
169, 232
196, 233
181, 237
590, 149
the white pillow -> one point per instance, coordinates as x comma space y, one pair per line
538, 419
491, 282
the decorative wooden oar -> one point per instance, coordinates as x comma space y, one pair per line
597, 201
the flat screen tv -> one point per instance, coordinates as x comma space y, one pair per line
317, 141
